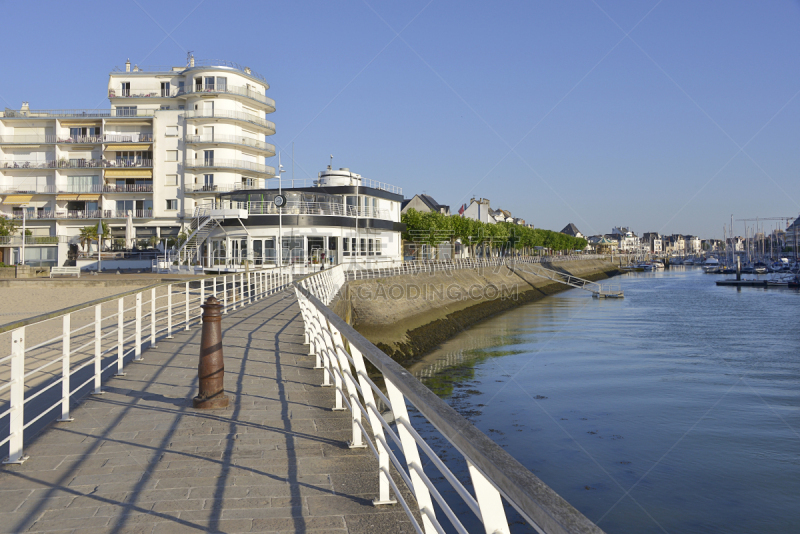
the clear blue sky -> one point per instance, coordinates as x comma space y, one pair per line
545, 107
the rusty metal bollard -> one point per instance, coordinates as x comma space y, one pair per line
211, 369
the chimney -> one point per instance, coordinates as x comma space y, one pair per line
191, 60
136, 68
128, 65
25, 107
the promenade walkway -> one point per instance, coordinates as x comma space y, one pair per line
140, 459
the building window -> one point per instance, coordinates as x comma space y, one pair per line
126, 88
172, 204
345, 247
171, 179
172, 155
181, 87
172, 131
222, 84
164, 106
126, 111
165, 89
209, 83
371, 249
208, 158
208, 182
363, 246
377, 247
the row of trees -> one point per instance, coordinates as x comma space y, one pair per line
433, 228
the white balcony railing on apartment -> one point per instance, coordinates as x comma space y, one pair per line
234, 115
76, 113
129, 138
12, 240
229, 90
54, 189
82, 214
28, 139
76, 163
197, 63
232, 139
82, 139
217, 163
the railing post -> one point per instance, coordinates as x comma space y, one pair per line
241, 289
16, 415
137, 344
98, 340
333, 361
225, 294
384, 461
186, 302
493, 515
65, 349
202, 300
352, 390
120, 336
411, 453
249, 289
153, 311
169, 311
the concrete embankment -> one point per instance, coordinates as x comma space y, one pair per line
409, 315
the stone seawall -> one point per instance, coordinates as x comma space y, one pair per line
409, 315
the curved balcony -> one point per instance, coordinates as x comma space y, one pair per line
266, 149
266, 126
235, 164
266, 102
335, 209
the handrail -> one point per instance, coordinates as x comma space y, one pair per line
496, 475
198, 63
232, 139
76, 163
124, 338
76, 113
232, 90
235, 115
230, 164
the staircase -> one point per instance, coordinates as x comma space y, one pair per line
202, 225
597, 290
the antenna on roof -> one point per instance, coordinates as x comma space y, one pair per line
189, 57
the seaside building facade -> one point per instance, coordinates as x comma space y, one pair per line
173, 138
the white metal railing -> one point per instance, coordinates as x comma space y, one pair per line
196, 63
230, 164
28, 139
235, 115
34, 239
232, 90
77, 348
363, 182
76, 113
232, 139
316, 208
342, 353
128, 138
81, 214
76, 163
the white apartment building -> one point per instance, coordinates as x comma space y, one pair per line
172, 139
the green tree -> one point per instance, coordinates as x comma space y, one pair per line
7, 226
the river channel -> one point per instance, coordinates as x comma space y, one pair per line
674, 410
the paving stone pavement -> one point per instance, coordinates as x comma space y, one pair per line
140, 459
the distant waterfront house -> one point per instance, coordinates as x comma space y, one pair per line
572, 230
424, 203
480, 210
652, 241
627, 241
793, 234
692, 244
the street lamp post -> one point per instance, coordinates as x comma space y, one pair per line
24, 211
280, 218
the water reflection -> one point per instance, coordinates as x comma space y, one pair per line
676, 409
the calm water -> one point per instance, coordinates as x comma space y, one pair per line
676, 409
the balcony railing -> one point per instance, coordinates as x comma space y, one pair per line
232, 139
309, 208
197, 63
218, 163
78, 164
229, 90
220, 188
76, 113
128, 138
53, 189
13, 240
288, 183
82, 139
144, 93
234, 115
28, 139
83, 214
